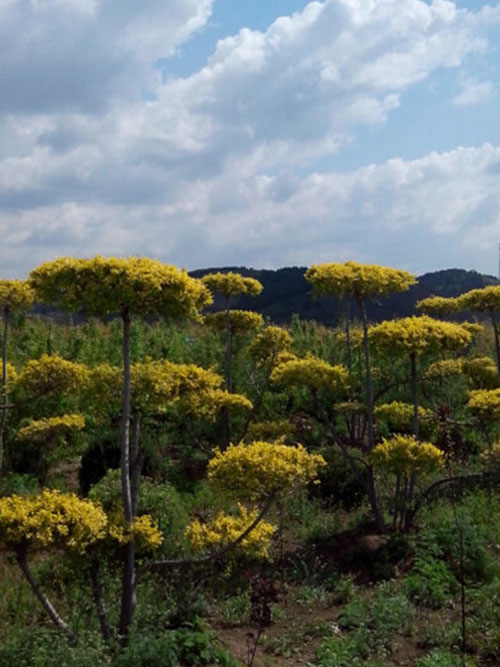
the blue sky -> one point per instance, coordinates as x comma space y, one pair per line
265, 133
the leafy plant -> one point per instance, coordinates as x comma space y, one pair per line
430, 583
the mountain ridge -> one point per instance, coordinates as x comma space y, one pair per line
286, 293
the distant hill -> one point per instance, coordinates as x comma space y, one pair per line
286, 293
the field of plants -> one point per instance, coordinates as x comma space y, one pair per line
181, 488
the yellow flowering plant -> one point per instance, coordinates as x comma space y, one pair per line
136, 286
240, 321
51, 374
261, 469
437, 305
481, 372
50, 519
271, 342
485, 404
230, 284
398, 415
404, 454
143, 532
362, 280
224, 528
50, 428
311, 372
416, 336
406, 458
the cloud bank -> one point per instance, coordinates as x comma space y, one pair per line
103, 152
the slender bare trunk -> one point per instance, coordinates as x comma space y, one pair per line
3, 415
98, 601
42, 598
137, 460
414, 395
396, 501
497, 342
228, 372
128, 578
368, 376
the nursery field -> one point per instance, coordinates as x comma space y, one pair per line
181, 488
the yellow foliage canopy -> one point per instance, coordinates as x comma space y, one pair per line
398, 414
143, 531
361, 280
403, 454
482, 372
269, 343
444, 368
259, 469
229, 284
52, 374
311, 372
438, 305
485, 403
40, 430
240, 321
225, 528
15, 295
485, 299
50, 518
156, 385
104, 285
418, 334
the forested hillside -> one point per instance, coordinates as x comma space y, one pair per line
286, 293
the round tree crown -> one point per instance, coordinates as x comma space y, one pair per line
361, 280
15, 295
229, 284
104, 285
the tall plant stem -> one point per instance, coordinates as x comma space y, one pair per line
368, 376
98, 601
128, 577
228, 371
414, 395
3, 414
22, 561
497, 341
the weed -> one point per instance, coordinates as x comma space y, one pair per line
441, 658
235, 610
313, 596
342, 588
430, 583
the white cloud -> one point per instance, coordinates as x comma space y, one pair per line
97, 154
437, 211
473, 92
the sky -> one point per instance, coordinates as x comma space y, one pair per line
258, 133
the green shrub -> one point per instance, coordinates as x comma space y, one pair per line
46, 648
339, 652
430, 583
383, 615
441, 658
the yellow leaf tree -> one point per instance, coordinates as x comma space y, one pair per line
360, 282
232, 322
130, 287
15, 296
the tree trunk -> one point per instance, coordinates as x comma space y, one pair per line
414, 396
497, 342
42, 598
368, 377
3, 415
228, 371
98, 601
128, 578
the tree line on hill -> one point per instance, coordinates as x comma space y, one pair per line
286, 293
